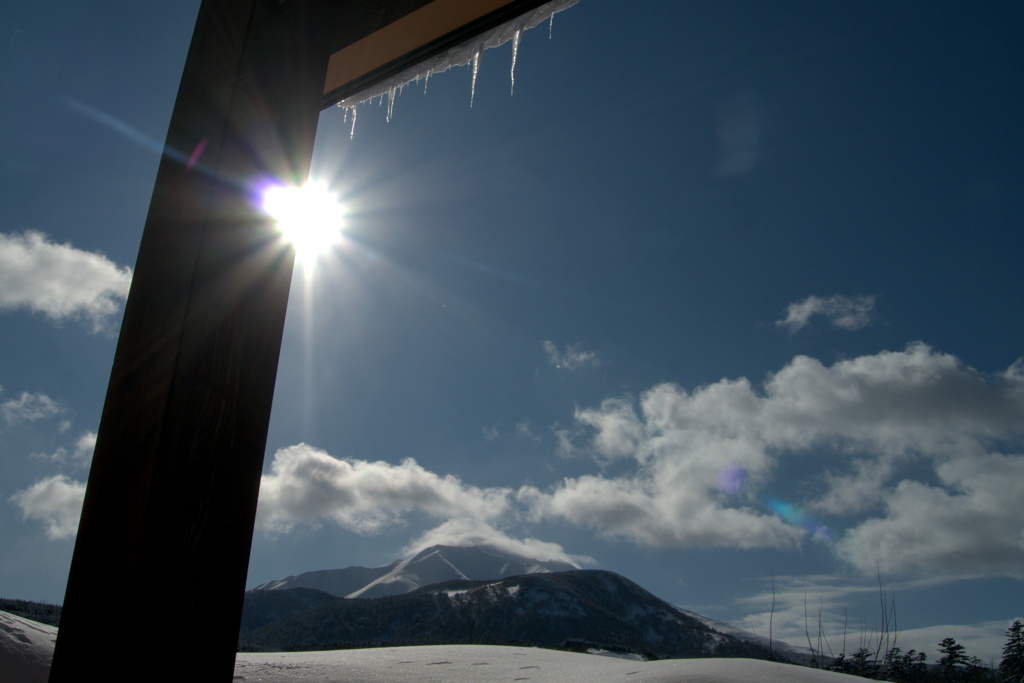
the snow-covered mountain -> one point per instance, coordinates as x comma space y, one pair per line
581, 610
435, 564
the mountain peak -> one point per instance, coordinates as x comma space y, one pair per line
431, 565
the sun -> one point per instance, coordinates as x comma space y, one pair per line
310, 218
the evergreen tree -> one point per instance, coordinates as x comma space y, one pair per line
1011, 669
905, 667
956, 665
861, 663
953, 661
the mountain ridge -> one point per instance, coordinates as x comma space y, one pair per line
440, 570
569, 610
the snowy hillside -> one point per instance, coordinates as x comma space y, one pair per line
26, 648
494, 664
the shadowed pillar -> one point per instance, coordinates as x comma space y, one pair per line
163, 545
158, 573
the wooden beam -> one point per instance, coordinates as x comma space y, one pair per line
163, 545
410, 34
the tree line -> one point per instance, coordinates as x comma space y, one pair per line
878, 657
954, 665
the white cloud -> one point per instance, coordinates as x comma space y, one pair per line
84, 446
59, 456
81, 455
525, 431
970, 524
60, 281
619, 430
29, 408
307, 484
848, 313
860, 490
56, 502
573, 357
472, 532
909, 438
564, 439
894, 402
680, 444
657, 512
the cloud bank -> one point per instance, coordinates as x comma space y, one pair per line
918, 453
916, 460
60, 281
846, 313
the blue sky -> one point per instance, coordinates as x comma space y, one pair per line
720, 292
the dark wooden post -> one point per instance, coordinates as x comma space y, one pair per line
163, 545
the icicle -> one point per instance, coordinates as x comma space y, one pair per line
461, 55
391, 103
472, 86
515, 50
352, 133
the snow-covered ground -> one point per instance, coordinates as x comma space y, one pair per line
26, 648
487, 663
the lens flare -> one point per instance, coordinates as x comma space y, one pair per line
308, 217
793, 515
731, 479
193, 158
